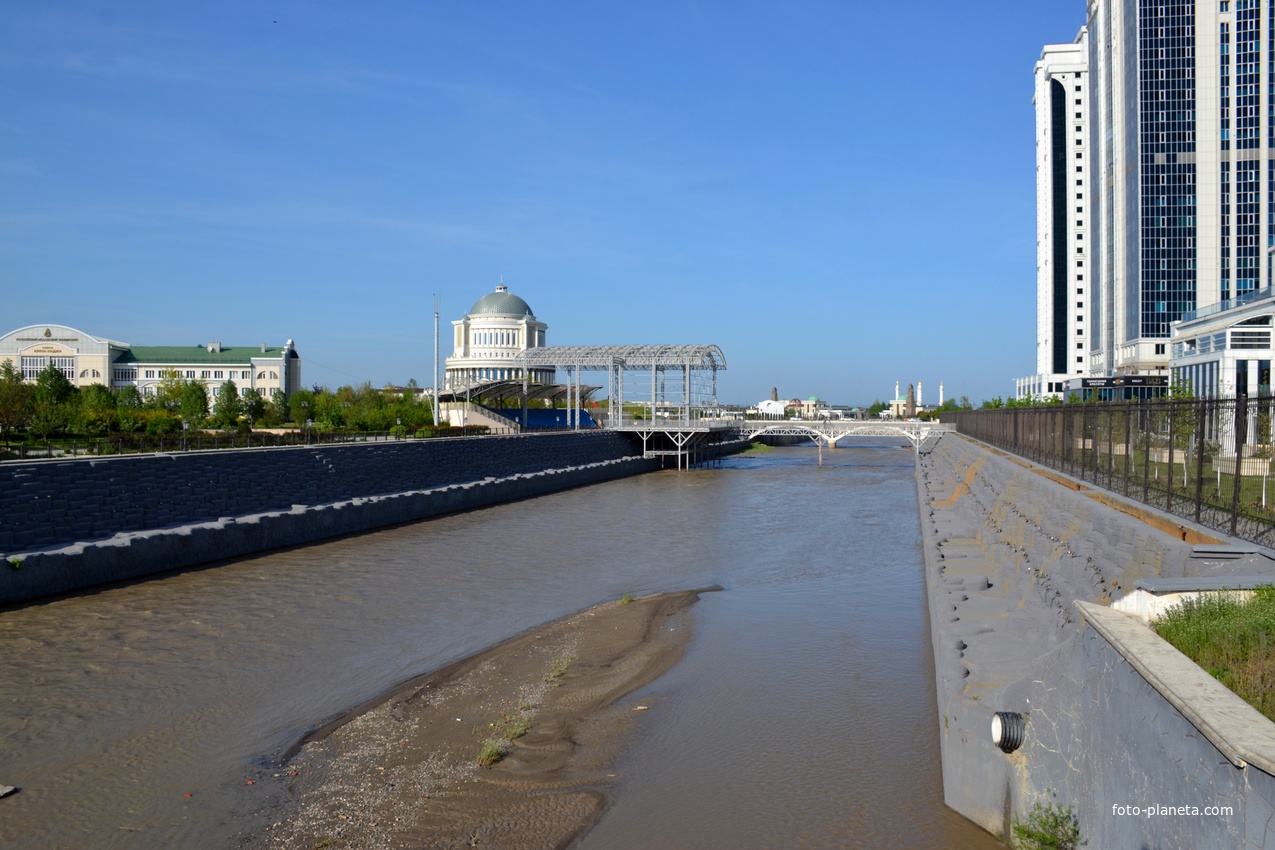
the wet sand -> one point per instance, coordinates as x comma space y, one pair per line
404, 770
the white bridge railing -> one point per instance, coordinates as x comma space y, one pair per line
829, 431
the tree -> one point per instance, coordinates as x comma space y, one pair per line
168, 393
301, 406
276, 412
52, 386
228, 407
128, 409
194, 403
95, 414
47, 417
254, 406
15, 401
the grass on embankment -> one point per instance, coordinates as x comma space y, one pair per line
1232, 639
757, 449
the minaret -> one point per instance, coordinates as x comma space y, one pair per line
940, 393
919, 403
896, 390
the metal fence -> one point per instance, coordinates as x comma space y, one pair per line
1207, 460
117, 444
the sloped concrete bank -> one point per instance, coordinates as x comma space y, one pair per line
75, 524
1021, 565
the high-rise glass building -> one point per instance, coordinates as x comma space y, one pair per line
1182, 196
1062, 210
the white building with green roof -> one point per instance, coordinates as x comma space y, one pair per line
86, 359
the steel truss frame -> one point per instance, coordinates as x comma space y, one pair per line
694, 385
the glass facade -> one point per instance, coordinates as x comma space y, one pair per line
1058, 231
1166, 82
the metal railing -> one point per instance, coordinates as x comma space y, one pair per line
1206, 460
120, 444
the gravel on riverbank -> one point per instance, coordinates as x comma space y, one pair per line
404, 770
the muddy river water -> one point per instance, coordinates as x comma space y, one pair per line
802, 716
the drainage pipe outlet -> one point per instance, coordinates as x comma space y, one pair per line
1007, 730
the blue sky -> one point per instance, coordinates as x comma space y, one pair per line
839, 194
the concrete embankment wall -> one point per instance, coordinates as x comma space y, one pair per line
1009, 551
74, 524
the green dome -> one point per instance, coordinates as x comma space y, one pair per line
502, 302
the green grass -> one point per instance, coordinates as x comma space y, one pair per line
493, 750
1048, 827
1233, 640
626, 599
508, 729
758, 449
15, 563
557, 669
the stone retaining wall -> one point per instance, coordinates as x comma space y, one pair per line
78, 523
1008, 552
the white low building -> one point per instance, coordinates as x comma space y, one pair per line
1225, 349
769, 409
86, 359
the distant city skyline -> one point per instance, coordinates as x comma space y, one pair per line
791, 183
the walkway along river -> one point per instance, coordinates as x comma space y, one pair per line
802, 716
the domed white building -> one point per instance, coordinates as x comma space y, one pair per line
497, 328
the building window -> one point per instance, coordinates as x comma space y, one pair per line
190, 373
205, 374
150, 373
217, 374
1159, 348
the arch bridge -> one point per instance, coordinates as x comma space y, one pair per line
831, 431
667, 395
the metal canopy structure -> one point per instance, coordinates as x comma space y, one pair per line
501, 391
667, 394
690, 395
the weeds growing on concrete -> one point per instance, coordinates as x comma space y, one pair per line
15, 563
1048, 827
1232, 639
626, 599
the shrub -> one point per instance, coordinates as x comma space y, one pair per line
1048, 827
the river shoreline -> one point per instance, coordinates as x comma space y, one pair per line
403, 769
